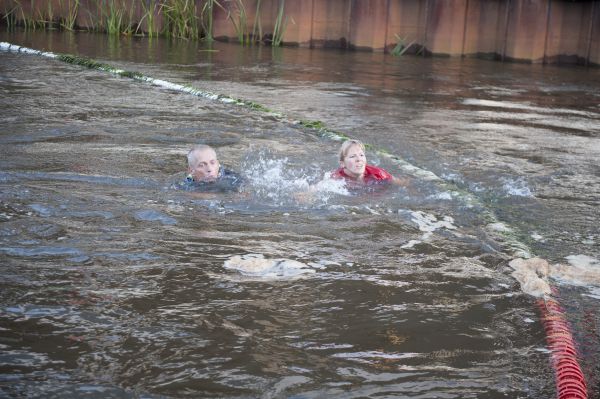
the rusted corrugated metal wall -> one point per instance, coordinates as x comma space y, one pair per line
548, 31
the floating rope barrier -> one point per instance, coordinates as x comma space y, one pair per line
498, 230
570, 381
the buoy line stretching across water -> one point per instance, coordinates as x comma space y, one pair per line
496, 228
570, 381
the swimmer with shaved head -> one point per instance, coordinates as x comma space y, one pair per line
205, 171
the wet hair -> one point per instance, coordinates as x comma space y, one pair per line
346, 147
191, 156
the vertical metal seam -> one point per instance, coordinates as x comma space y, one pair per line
506, 20
387, 23
464, 38
312, 25
590, 31
426, 26
548, 14
349, 21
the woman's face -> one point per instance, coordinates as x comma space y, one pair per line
354, 162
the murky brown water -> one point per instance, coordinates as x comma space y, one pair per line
113, 281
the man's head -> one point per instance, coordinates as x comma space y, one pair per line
352, 158
203, 164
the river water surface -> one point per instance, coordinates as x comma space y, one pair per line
115, 282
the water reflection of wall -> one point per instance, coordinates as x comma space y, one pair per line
529, 30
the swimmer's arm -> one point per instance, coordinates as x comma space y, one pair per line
407, 185
303, 197
401, 181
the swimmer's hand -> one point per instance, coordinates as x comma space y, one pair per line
401, 181
305, 197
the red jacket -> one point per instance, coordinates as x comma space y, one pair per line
373, 174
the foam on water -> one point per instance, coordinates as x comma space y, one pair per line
428, 223
40, 251
499, 227
151, 215
21, 358
582, 270
75, 177
538, 237
534, 274
594, 293
584, 262
370, 355
444, 196
522, 106
516, 187
256, 265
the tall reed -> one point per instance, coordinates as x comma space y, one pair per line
181, 19
150, 11
257, 27
28, 23
35, 19
68, 22
95, 23
400, 48
128, 25
10, 16
50, 16
16, 16
38, 17
206, 18
280, 25
241, 24
114, 18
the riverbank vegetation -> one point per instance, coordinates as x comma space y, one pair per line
185, 19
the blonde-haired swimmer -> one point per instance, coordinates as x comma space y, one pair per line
355, 169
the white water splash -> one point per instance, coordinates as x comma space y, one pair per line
257, 265
330, 186
273, 179
280, 183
